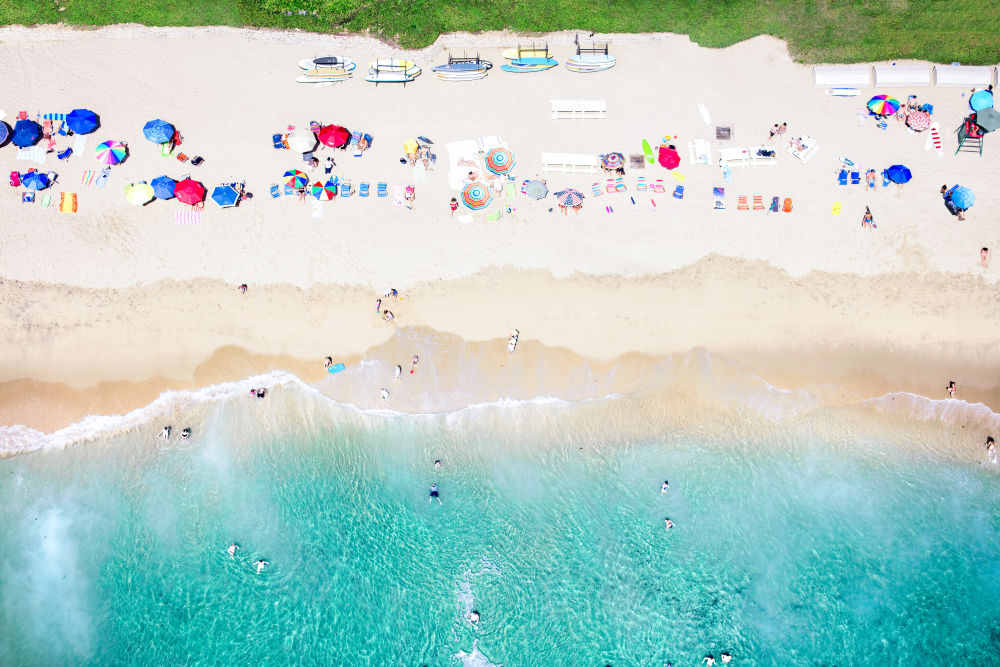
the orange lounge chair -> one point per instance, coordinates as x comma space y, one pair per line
741, 204
758, 202
788, 205
181, 157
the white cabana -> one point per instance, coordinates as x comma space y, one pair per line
842, 76
902, 76
963, 76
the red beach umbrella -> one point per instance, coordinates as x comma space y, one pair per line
669, 157
189, 191
334, 135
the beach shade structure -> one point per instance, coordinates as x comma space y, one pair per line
981, 99
963, 197
569, 197
410, 147
4, 132
324, 191
82, 121
988, 119
295, 178
536, 190
26, 133
163, 187
499, 161
225, 196
138, 194
111, 152
35, 180
302, 141
668, 157
189, 191
897, 173
476, 196
158, 131
334, 135
613, 160
883, 105
919, 120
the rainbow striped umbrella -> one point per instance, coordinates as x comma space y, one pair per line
476, 196
883, 105
111, 152
296, 178
613, 160
324, 191
500, 161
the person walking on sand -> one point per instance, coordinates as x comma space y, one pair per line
991, 451
243, 288
782, 128
869, 220
774, 131
951, 388
453, 205
984, 257
330, 164
413, 363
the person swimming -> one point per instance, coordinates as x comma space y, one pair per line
165, 433
185, 434
666, 487
668, 524
437, 464
709, 660
233, 548
474, 617
434, 494
726, 657
260, 565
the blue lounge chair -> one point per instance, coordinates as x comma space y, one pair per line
345, 189
842, 177
278, 141
275, 192
383, 190
289, 190
363, 190
679, 192
65, 154
855, 178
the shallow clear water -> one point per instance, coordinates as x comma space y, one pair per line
816, 540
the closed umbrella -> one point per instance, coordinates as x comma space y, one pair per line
988, 119
668, 157
476, 196
302, 141
4, 132
35, 180
897, 173
163, 187
981, 99
26, 133
225, 196
158, 131
500, 161
963, 197
82, 121
569, 197
334, 135
138, 194
295, 178
536, 190
189, 191
324, 191
111, 152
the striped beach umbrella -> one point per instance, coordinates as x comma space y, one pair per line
111, 152
613, 160
334, 135
35, 180
569, 197
324, 191
158, 131
163, 187
138, 194
82, 121
536, 190
302, 141
476, 196
919, 120
883, 105
500, 161
189, 191
295, 178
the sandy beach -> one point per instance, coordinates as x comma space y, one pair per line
105, 309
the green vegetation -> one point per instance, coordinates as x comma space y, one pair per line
817, 30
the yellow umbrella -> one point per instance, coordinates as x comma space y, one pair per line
139, 193
410, 146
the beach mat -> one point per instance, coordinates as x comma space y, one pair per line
34, 153
719, 195
317, 208
188, 217
79, 144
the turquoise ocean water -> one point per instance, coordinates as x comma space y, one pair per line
819, 536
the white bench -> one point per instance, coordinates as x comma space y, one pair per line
579, 109
762, 160
737, 156
571, 163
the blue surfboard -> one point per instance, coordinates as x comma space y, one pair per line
336, 368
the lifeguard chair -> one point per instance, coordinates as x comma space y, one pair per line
970, 137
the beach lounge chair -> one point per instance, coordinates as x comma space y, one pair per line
345, 189
181, 157
166, 149
658, 185
679, 192
65, 154
788, 205
278, 140
809, 148
741, 204
363, 189
640, 184
275, 191
494, 216
596, 189
510, 191
382, 189
775, 205
28, 197
197, 159
620, 184
758, 202
855, 178
842, 177
102, 178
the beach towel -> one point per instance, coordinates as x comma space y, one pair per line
34, 153
88, 177
399, 195
79, 144
419, 173
317, 208
102, 178
188, 217
67, 202
719, 195
596, 189
464, 219
727, 173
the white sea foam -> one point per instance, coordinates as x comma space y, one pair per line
474, 658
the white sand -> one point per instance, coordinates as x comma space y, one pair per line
228, 90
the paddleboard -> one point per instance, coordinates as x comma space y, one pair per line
588, 70
473, 66
322, 79
592, 59
388, 77
391, 65
525, 70
412, 73
511, 54
326, 72
327, 61
465, 76
336, 368
648, 150
843, 92
533, 62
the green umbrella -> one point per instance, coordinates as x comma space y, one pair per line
988, 119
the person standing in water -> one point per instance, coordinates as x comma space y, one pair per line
434, 494
233, 548
991, 450
665, 488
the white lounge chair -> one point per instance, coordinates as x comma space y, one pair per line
462, 151
700, 152
810, 148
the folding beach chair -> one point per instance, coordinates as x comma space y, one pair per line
289, 190
775, 206
658, 185
885, 178
345, 189
620, 184
278, 141
382, 190
741, 203
22, 115
855, 178
15, 179
596, 189
65, 154
181, 157
363, 190
842, 177
758, 202
275, 191
197, 159
640, 184
494, 216
679, 192
610, 187
166, 149
788, 205
510, 191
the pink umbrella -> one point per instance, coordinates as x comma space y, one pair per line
669, 157
919, 120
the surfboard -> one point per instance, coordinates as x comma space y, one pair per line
648, 150
412, 72
843, 92
336, 368
588, 70
533, 62
464, 66
388, 77
525, 68
511, 54
327, 61
465, 76
391, 64
322, 79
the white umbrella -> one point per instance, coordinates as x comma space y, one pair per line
302, 141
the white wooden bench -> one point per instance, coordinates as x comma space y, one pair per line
579, 109
758, 160
737, 156
571, 163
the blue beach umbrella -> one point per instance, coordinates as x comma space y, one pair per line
82, 121
4, 132
158, 131
981, 99
963, 197
26, 133
225, 196
897, 173
35, 180
163, 187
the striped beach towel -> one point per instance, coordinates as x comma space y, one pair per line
188, 217
54, 116
33, 153
88, 177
